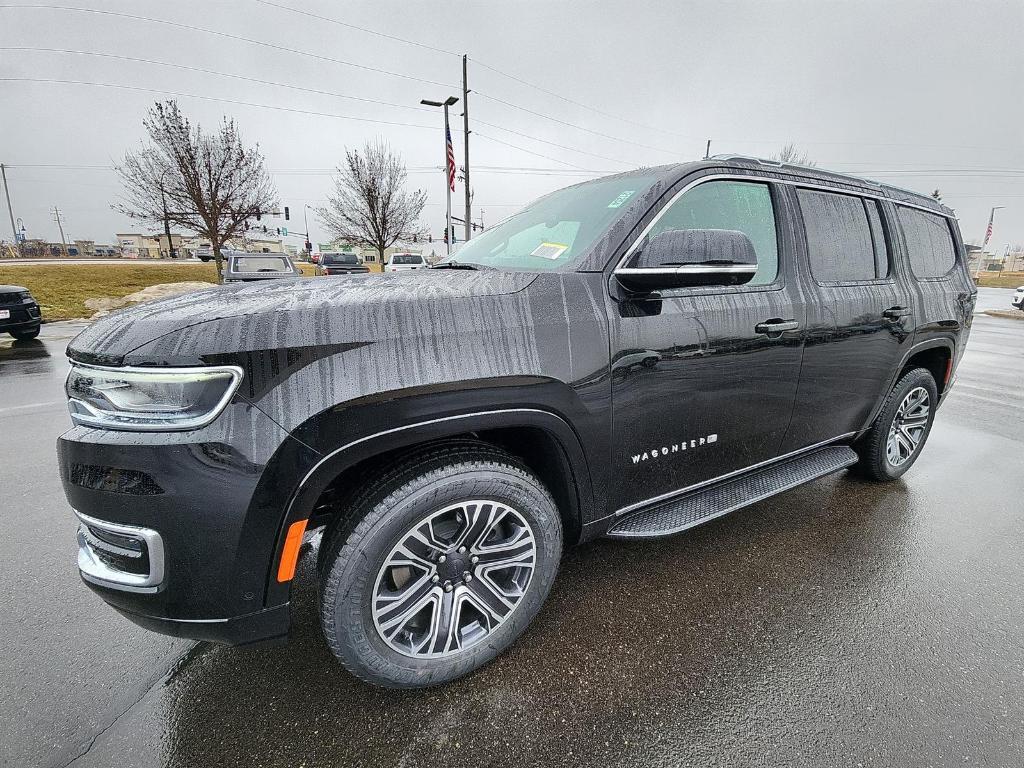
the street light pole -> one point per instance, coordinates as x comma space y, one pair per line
447, 186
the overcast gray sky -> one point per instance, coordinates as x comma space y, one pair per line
923, 95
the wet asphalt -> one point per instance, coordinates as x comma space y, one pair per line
841, 623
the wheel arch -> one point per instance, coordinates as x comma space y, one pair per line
933, 354
538, 435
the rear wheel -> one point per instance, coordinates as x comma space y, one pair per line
455, 550
898, 435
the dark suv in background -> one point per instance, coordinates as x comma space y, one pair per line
19, 312
628, 357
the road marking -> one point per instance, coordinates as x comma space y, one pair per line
31, 406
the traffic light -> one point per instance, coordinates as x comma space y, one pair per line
309, 247
278, 231
286, 215
446, 235
258, 218
430, 238
414, 238
264, 229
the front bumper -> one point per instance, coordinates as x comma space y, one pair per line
178, 531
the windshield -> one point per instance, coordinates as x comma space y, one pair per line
406, 258
339, 258
552, 231
261, 264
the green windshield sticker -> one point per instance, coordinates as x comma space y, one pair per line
618, 201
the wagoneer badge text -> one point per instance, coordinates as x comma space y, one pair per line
665, 450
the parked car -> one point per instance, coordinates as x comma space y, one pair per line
340, 264
1018, 298
243, 267
400, 262
204, 253
628, 357
19, 312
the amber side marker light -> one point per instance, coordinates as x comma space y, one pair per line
290, 553
949, 370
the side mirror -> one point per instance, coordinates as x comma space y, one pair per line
680, 258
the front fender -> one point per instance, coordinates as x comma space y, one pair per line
347, 435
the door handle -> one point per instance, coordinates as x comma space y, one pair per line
776, 326
895, 313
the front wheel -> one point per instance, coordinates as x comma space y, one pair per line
454, 553
895, 440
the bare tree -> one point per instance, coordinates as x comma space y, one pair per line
207, 183
370, 205
792, 156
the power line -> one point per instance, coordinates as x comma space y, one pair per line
483, 95
434, 48
189, 68
579, 103
165, 92
218, 33
531, 152
551, 143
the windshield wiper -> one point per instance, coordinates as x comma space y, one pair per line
461, 265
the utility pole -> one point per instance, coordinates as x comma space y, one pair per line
60, 226
10, 211
465, 128
707, 151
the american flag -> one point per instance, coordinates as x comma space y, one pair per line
988, 232
451, 159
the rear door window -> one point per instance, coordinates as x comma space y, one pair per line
845, 243
929, 242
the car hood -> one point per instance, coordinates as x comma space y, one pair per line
279, 313
12, 288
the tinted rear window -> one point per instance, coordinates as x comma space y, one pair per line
406, 258
844, 237
929, 242
261, 264
339, 258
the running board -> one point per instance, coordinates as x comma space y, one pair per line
719, 499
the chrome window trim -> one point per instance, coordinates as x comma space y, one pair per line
762, 180
97, 572
690, 269
237, 374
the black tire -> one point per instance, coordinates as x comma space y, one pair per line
381, 515
875, 462
31, 333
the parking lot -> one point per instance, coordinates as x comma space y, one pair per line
842, 623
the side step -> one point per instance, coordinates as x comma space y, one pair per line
718, 499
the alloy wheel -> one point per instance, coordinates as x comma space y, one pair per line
908, 426
454, 579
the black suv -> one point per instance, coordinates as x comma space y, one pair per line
628, 357
19, 312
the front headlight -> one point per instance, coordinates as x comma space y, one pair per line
149, 399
